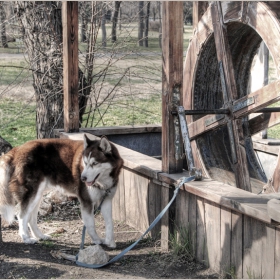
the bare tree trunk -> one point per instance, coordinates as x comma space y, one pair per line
115, 20
141, 23
160, 25
147, 18
103, 27
120, 19
4, 43
43, 39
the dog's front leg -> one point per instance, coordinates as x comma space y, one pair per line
88, 219
106, 210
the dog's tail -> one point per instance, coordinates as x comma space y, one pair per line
7, 206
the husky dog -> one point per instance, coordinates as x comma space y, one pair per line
86, 169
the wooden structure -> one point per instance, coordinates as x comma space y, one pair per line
232, 228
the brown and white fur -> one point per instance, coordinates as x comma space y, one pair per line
85, 169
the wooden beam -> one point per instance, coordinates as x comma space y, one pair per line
199, 8
70, 65
230, 94
172, 84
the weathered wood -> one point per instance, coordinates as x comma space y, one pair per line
164, 220
274, 150
225, 240
263, 121
199, 8
154, 207
130, 209
192, 214
236, 252
172, 82
263, 97
230, 94
253, 248
268, 257
277, 254
70, 65
231, 197
201, 238
213, 234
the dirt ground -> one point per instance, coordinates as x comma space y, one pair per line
18, 260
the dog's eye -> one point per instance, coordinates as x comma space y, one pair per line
94, 163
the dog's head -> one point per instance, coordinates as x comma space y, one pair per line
101, 162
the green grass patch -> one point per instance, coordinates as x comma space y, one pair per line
128, 111
17, 121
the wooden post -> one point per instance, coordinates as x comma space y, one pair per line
199, 8
70, 65
172, 84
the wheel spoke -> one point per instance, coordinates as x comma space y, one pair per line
230, 94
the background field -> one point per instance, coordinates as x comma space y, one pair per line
127, 89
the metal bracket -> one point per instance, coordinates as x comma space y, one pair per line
187, 144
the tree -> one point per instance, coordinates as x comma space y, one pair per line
141, 23
115, 20
146, 43
4, 43
42, 24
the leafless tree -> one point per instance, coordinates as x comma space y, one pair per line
115, 20
4, 43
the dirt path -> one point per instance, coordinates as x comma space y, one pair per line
18, 260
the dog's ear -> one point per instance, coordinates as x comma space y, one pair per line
86, 141
105, 145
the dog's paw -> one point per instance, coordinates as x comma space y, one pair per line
97, 241
27, 240
45, 237
110, 244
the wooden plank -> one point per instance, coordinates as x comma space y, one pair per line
199, 8
141, 185
261, 98
192, 214
172, 82
154, 207
277, 254
274, 150
263, 121
122, 197
231, 197
268, 269
201, 238
236, 253
164, 220
182, 209
130, 207
70, 65
230, 94
116, 205
225, 243
254, 230
213, 234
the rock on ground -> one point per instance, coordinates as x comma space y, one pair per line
93, 255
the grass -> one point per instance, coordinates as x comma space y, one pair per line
17, 121
181, 243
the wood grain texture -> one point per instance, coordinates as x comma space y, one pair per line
70, 65
172, 82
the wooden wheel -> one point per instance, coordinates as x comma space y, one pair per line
216, 75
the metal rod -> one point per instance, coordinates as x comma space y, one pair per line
223, 111
203, 112
269, 110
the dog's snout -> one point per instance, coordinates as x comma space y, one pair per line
83, 178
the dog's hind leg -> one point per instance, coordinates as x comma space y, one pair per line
88, 219
35, 231
106, 210
28, 215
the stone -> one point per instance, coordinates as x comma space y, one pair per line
93, 255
